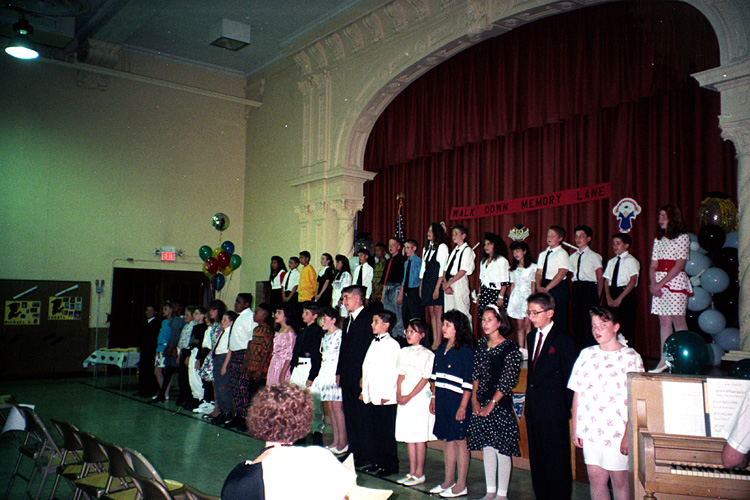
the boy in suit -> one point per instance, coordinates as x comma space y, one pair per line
356, 339
548, 401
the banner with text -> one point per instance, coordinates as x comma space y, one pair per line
531, 203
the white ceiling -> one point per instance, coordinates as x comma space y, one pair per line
179, 29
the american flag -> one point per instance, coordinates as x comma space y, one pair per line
400, 219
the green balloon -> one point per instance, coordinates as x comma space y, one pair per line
685, 353
741, 369
235, 261
205, 252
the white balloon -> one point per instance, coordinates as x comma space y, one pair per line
712, 321
700, 300
715, 354
715, 280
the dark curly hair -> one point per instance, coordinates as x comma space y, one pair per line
280, 413
462, 323
501, 316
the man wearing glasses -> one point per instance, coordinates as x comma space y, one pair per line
548, 401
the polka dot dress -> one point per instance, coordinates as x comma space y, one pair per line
496, 369
675, 293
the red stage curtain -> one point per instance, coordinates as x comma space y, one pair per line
596, 95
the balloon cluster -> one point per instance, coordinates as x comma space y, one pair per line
714, 270
220, 262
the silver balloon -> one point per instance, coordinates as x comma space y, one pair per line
220, 221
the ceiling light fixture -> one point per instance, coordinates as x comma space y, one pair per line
230, 35
21, 47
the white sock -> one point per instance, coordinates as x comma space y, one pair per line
490, 468
505, 465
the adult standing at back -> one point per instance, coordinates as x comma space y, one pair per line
434, 260
356, 339
149, 331
460, 266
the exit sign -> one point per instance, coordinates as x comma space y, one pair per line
168, 253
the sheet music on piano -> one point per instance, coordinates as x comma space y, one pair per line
724, 397
701, 408
684, 409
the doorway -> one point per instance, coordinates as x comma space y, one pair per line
134, 289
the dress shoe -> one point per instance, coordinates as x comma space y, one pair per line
414, 481
439, 489
157, 399
449, 493
405, 479
383, 472
341, 451
362, 464
371, 469
659, 369
219, 419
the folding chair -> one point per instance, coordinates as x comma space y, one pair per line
193, 494
93, 465
142, 467
72, 449
39, 446
149, 488
115, 479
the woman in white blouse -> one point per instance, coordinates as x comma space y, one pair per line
342, 279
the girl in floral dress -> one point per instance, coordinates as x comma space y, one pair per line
325, 382
600, 405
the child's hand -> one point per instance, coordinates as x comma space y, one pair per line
624, 444
475, 406
432, 406
578, 442
223, 371
460, 414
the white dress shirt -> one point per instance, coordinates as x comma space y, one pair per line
494, 273
629, 267
557, 260
464, 260
242, 332
590, 262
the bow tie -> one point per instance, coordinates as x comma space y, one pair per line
380, 337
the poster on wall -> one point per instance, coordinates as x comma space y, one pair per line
22, 312
65, 308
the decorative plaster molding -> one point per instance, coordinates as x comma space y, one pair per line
739, 133
303, 212
396, 13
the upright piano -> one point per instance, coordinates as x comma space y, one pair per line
676, 466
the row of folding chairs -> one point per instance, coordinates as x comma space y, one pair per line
93, 468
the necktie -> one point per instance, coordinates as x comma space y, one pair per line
450, 264
544, 267
537, 351
578, 268
387, 270
616, 272
286, 280
359, 276
406, 274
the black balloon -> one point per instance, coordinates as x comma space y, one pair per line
711, 237
691, 317
728, 260
727, 303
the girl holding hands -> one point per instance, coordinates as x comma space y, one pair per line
493, 428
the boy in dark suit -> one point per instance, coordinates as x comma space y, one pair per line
548, 401
356, 339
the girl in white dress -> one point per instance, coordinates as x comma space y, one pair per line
522, 273
325, 382
341, 280
414, 422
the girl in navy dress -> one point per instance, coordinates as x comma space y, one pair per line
451, 374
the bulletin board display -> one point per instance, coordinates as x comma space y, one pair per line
45, 327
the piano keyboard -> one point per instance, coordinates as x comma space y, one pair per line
710, 471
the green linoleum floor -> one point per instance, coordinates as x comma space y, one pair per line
185, 448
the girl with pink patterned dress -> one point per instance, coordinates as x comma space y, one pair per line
670, 285
600, 405
283, 345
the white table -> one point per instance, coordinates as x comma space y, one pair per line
123, 358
